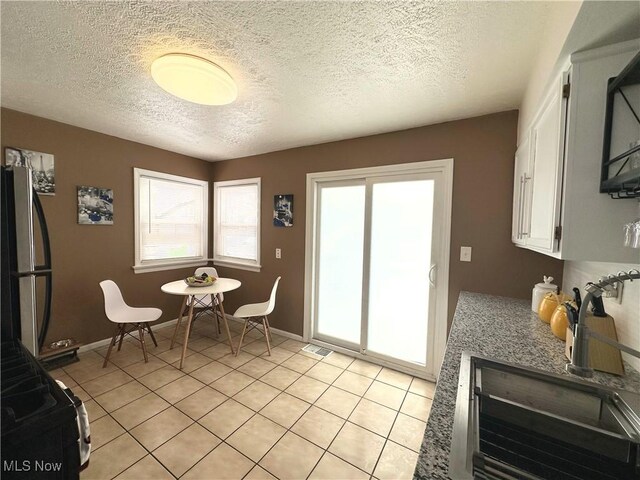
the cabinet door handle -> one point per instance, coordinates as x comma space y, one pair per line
524, 199
520, 210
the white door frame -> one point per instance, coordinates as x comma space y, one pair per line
445, 167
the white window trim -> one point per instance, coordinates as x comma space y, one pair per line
146, 266
232, 262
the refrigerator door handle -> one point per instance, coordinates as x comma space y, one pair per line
44, 270
46, 246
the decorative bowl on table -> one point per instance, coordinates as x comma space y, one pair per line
203, 280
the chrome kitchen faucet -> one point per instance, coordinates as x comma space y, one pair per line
580, 352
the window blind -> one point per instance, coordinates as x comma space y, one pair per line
237, 222
171, 219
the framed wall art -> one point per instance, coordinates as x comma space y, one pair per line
283, 210
95, 206
41, 164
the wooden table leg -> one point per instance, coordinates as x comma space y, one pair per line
226, 325
186, 333
175, 332
214, 310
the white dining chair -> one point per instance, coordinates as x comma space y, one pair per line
255, 314
125, 316
207, 302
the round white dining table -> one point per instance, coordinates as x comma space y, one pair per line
189, 294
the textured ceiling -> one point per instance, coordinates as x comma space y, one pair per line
307, 72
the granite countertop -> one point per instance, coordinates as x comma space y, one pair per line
504, 329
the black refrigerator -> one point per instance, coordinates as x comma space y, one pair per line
39, 430
26, 305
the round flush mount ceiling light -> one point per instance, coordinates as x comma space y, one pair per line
194, 79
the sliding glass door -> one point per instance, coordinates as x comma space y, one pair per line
377, 242
399, 257
340, 240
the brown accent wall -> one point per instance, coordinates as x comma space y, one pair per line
483, 150
84, 255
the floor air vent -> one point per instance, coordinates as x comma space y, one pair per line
323, 352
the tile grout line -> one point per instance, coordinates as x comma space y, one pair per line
343, 369
386, 440
254, 380
232, 397
127, 431
287, 430
347, 421
224, 440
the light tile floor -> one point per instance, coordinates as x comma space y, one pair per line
291, 415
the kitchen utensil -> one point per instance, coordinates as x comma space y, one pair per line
577, 298
540, 290
602, 357
572, 315
598, 307
548, 305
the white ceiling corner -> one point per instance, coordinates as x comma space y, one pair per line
307, 72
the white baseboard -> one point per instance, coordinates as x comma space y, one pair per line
171, 323
277, 331
105, 341
284, 333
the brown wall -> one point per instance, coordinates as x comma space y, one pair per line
482, 148
84, 255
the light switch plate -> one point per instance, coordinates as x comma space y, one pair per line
465, 254
278, 253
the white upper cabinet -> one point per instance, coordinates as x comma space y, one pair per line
547, 154
557, 207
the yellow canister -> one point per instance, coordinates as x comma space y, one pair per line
549, 304
560, 321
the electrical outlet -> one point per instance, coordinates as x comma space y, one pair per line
465, 254
278, 253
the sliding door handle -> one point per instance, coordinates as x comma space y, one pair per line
432, 276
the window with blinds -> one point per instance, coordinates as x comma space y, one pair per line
171, 219
236, 226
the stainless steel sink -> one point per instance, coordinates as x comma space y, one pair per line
513, 422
